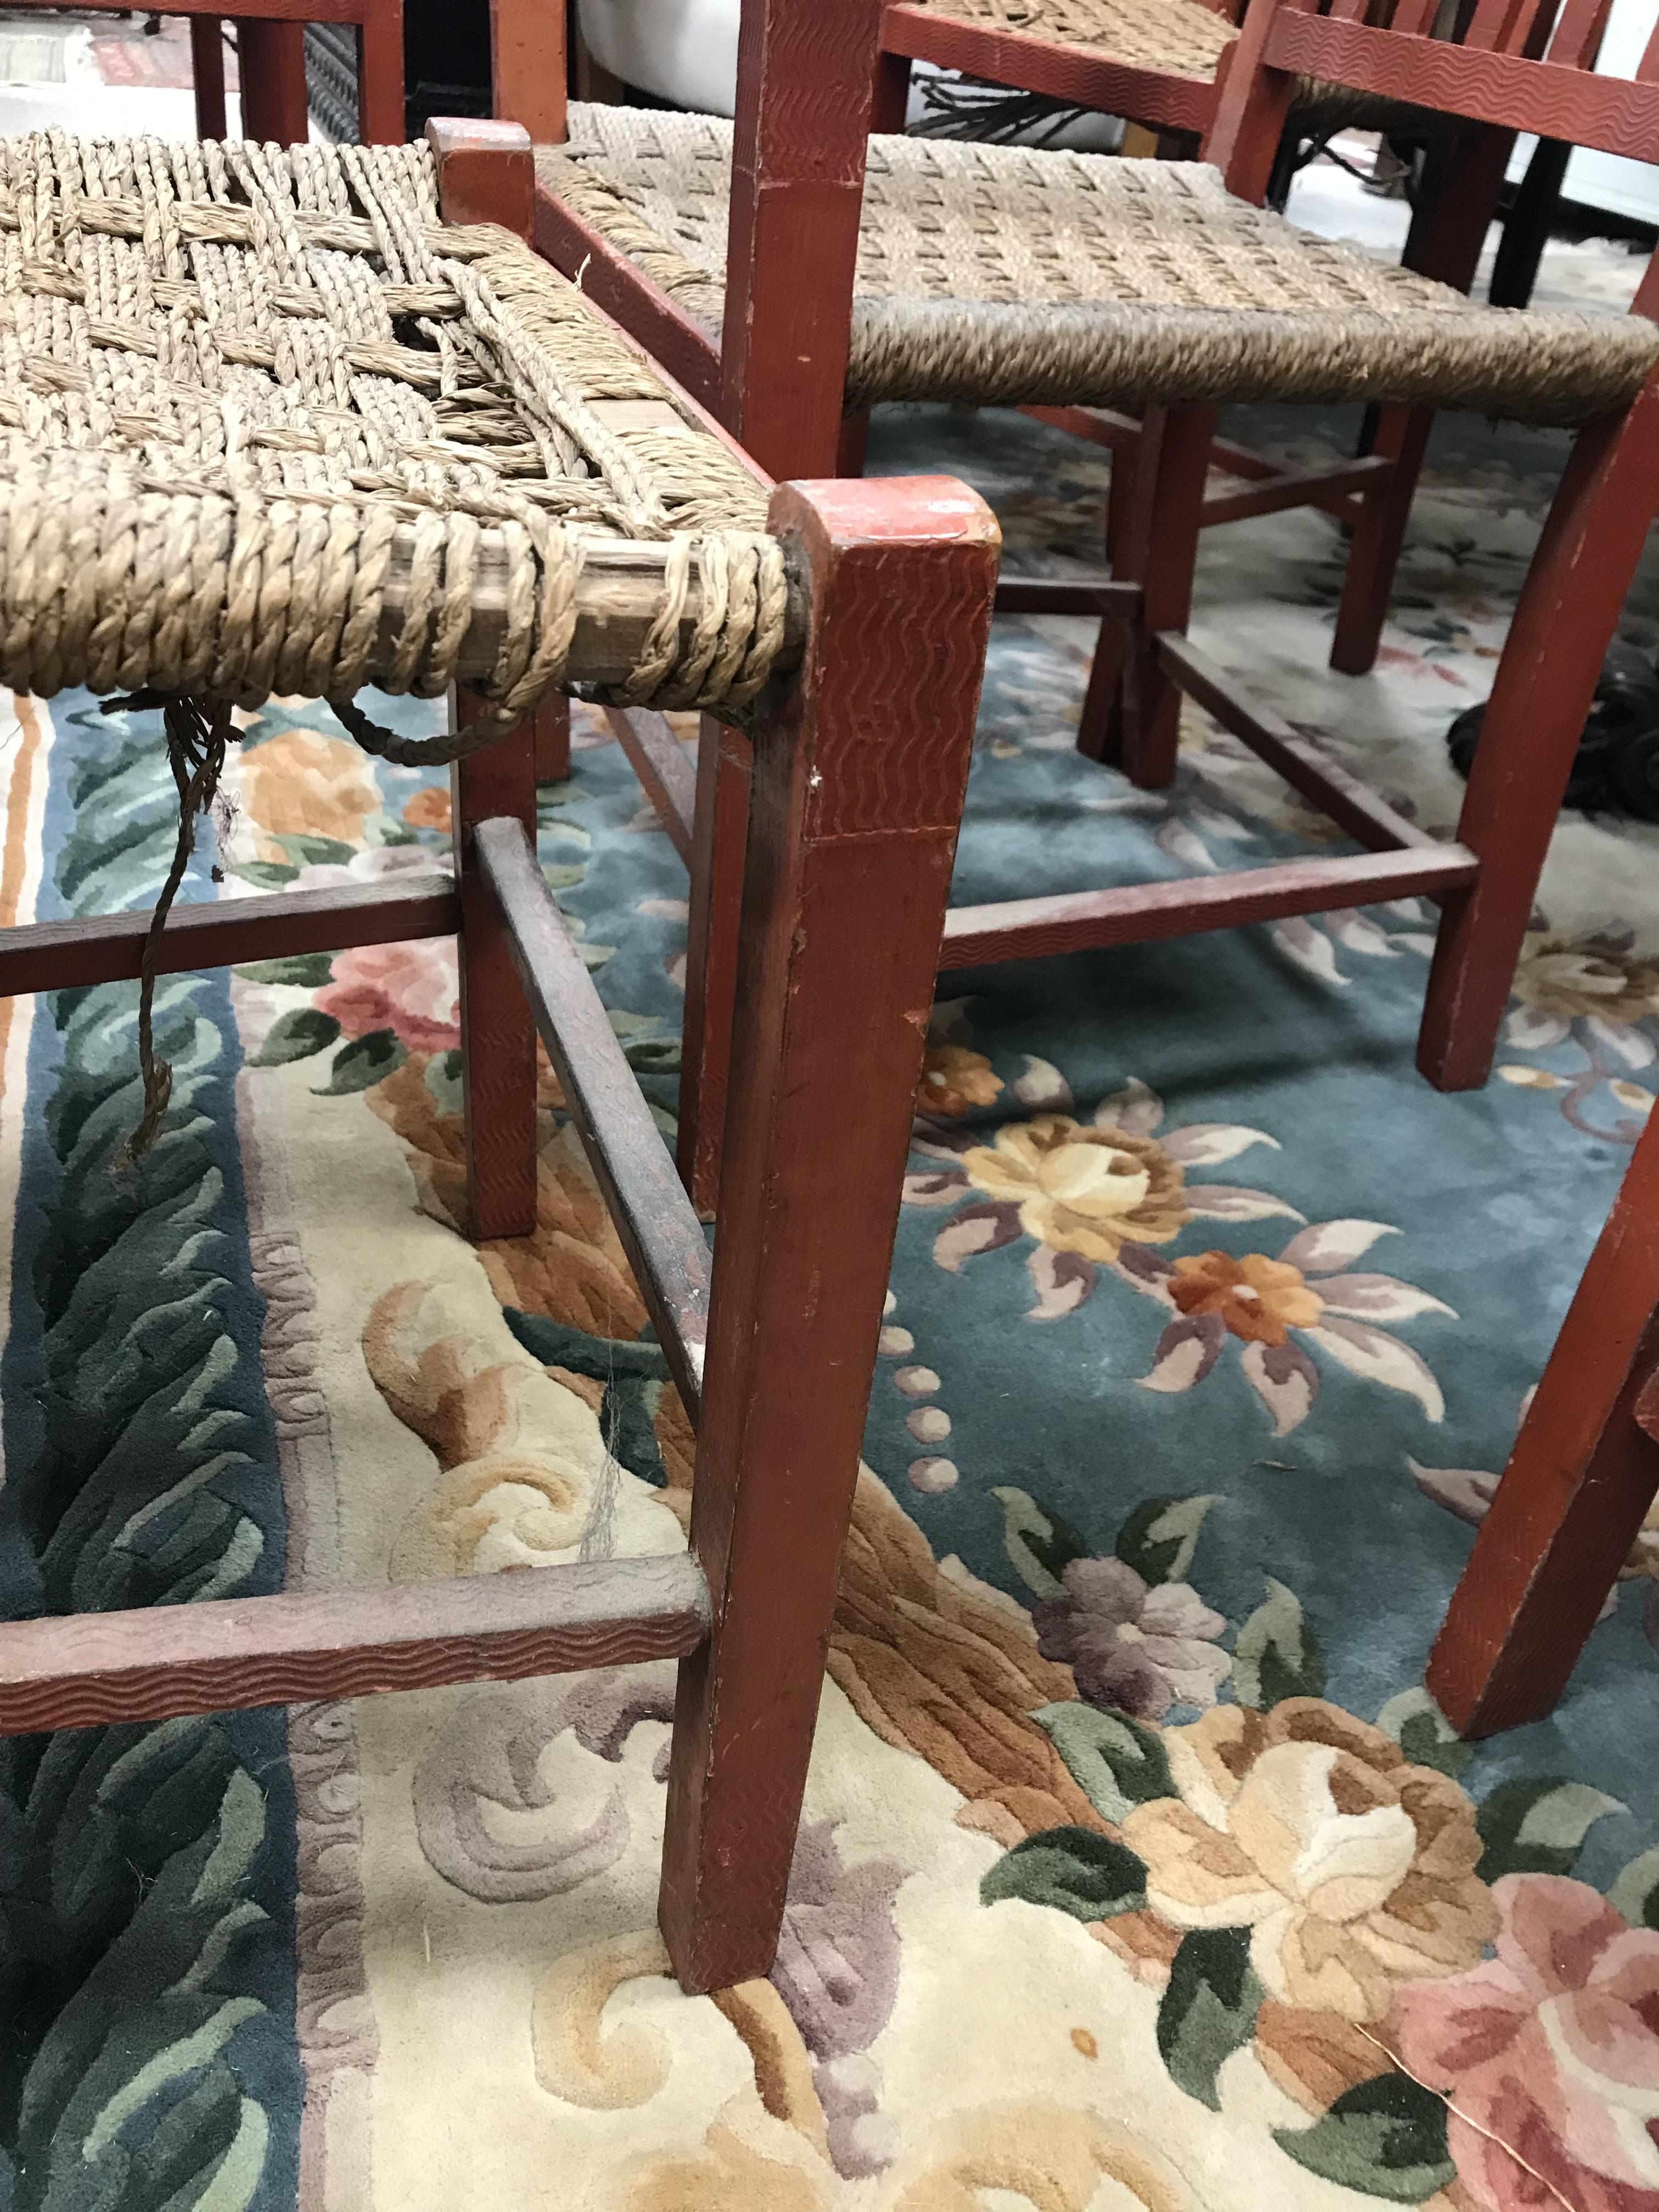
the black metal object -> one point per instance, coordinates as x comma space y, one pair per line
446, 66
1617, 766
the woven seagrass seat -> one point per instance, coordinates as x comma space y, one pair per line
996, 275
1178, 38
267, 424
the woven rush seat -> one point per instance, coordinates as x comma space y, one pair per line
1179, 37
268, 425
994, 274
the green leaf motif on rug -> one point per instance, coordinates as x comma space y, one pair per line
1277, 1655
205, 2141
143, 1475
295, 1034
307, 971
1423, 1733
1160, 1536
1636, 1892
263, 875
1075, 1870
1385, 2138
1117, 1763
1537, 1823
1208, 2009
363, 1062
308, 850
1039, 1544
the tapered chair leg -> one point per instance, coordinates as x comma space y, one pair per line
551, 724
1158, 550
719, 831
498, 1031
858, 785
270, 61
207, 70
1566, 614
380, 77
1402, 436
1580, 1480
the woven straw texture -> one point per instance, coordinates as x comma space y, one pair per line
998, 276
1179, 37
239, 383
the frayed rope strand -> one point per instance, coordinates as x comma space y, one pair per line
198, 732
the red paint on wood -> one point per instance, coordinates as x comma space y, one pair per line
1578, 1484
527, 66
270, 61
207, 69
60, 956
721, 828
857, 785
498, 1031
86, 1669
486, 172
1565, 617
1036, 64
380, 118
1138, 914
1506, 89
806, 90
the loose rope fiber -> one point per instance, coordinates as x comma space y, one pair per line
998, 275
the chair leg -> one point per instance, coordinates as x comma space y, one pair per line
892, 98
1566, 614
380, 116
719, 834
551, 724
858, 785
271, 60
207, 70
1578, 1484
1158, 548
850, 448
498, 1032
1099, 733
1400, 435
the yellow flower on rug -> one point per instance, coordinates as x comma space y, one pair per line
1083, 1190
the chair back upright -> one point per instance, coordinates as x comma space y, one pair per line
1502, 65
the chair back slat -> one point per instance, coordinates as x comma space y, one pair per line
1414, 19
1613, 115
1488, 26
1577, 40
1647, 69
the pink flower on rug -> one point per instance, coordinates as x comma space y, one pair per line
1551, 2048
410, 988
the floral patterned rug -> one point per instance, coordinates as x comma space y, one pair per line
1138, 1868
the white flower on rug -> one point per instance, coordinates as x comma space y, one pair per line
1593, 1000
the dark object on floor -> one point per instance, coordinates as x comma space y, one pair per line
446, 66
1617, 769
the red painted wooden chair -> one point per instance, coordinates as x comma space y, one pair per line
1579, 1484
1161, 63
271, 63
522, 501
782, 283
